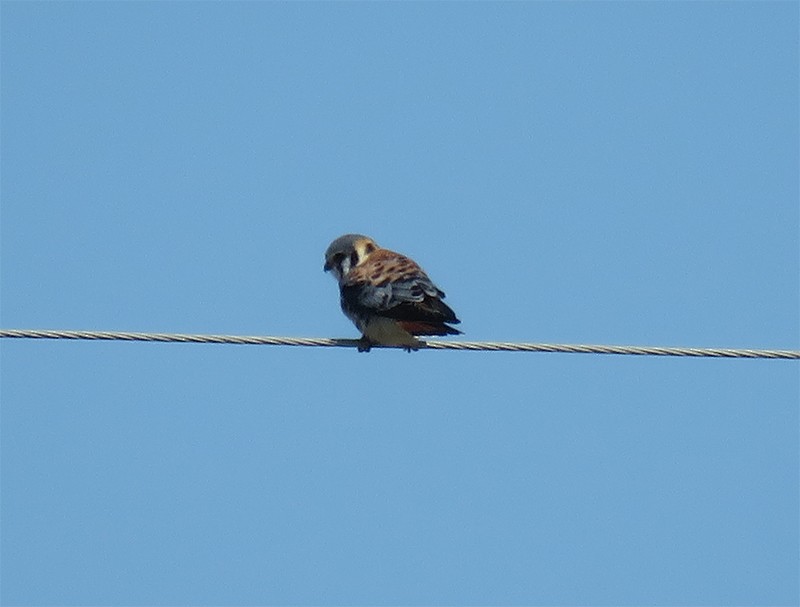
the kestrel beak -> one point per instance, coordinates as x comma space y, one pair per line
326, 267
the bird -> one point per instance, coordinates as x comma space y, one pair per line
388, 296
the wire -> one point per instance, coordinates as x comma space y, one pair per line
431, 345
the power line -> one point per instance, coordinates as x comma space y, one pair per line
431, 345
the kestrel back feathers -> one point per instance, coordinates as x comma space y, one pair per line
386, 295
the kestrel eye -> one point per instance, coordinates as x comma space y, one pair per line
337, 259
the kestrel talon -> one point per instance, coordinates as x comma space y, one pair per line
387, 295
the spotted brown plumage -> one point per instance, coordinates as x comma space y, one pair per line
388, 296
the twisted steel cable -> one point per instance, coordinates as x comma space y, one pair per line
490, 346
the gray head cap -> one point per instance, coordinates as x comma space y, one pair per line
344, 243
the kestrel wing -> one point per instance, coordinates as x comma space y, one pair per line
394, 286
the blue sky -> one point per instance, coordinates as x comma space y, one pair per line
619, 173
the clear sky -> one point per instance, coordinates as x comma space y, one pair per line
610, 173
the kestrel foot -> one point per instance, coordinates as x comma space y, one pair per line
364, 344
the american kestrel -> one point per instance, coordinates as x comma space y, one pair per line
386, 295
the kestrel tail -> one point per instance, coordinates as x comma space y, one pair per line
387, 295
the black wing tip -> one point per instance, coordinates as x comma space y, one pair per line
453, 330
439, 311
428, 327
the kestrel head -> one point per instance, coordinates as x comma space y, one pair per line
346, 252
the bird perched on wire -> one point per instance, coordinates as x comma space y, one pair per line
386, 295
